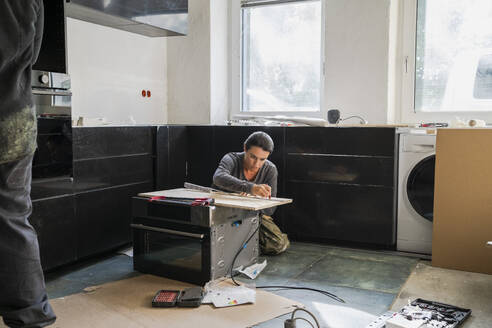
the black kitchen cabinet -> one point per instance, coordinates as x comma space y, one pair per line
104, 217
201, 158
111, 164
338, 212
101, 173
170, 156
359, 141
103, 142
55, 223
89, 213
178, 142
161, 157
343, 182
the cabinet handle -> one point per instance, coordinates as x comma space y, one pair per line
172, 232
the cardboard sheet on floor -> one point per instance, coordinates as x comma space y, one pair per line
127, 303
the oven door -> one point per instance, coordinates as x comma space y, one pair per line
173, 251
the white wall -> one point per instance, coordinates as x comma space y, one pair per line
198, 66
188, 72
356, 52
219, 61
189, 76
109, 68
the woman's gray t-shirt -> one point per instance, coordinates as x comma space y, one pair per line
229, 176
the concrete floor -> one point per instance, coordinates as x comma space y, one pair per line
368, 281
467, 290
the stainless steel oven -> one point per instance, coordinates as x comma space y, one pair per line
52, 98
172, 250
189, 243
52, 163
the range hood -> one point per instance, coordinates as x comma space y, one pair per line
153, 18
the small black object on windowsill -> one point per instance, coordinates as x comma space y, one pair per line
334, 117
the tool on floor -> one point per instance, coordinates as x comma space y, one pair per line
422, 313
191, 297
166, 298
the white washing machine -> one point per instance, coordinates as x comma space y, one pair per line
415, 191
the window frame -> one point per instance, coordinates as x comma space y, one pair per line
407, 112
236, 66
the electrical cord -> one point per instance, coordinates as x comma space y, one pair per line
324, 292
290, 323
239, 252
310, 323
333, 296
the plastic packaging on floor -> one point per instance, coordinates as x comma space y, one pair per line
222, 293
253, 270
409, 317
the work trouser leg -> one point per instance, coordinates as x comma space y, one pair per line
23, 299
272, 240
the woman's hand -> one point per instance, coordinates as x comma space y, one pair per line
262, 190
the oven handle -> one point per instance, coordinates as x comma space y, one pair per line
172, 232
51, 92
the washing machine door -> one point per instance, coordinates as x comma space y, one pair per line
420, 187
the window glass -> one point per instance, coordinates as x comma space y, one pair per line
483, 78
281, 57
453, 55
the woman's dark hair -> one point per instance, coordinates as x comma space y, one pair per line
259, 139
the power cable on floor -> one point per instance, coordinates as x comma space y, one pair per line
291, 323
245, 244
324, 292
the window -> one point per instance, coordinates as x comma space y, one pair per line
281, 56
483, 78
453, 56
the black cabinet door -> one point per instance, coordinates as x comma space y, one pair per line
104, 218
170, 160
111, 164
343, 182
337, 212
341, 141
100, 142
201, 159
55, 223
105, 172
178, 143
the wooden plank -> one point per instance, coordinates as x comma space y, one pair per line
463, 200
222, 199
